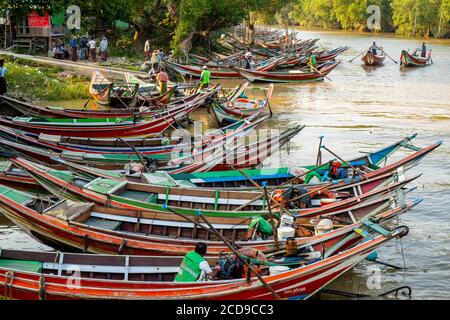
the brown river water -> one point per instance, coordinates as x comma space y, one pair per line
362, 109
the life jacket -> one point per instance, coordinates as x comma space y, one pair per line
278, 195
190, 268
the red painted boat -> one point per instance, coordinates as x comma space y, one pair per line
97, 128
290, 76
415, 59
29, 109
371, 59
51, 278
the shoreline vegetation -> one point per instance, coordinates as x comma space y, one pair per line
31, 80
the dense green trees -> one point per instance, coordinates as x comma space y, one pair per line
406, 17
182, 23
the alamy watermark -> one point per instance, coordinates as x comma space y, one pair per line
374, 20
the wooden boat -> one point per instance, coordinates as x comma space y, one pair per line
93, 228
291, 76
219, 72
152, 278
97, 127
210, 157
100, 87
415, 59
28, 109
186, 201
120, 146
238, 106
371, 59
329, 55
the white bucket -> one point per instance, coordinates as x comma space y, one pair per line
285, 232
277, 269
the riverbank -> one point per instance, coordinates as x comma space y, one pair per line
55, 83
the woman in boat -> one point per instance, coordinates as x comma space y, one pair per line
194, 267
336, 171
162, 78
3, 71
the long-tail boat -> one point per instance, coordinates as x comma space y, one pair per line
98, 127
65, 225
28, 109
220, 72
61, 144
288, 76
371, 59
215, 203
47, 276
416, 58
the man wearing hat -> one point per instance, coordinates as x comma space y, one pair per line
204, 78
3, 71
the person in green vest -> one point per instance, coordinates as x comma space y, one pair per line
204, 78
194, 267
312, 62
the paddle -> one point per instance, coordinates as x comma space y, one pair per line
357, 56
319, 72
388, 55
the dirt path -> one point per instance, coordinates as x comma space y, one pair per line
83, 67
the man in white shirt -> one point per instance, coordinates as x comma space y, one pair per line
147, 50
92, 46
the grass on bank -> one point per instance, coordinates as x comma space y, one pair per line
35, 81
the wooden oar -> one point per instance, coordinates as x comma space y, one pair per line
357, 55
388, 56
264, 283
140, 156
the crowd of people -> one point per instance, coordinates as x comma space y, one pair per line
81, 48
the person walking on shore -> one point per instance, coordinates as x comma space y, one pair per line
147, 50
3, 71
73, 45
83, 48
92, 46
103, 49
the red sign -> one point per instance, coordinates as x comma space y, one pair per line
35, 20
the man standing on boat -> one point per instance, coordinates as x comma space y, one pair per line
205, 78
194, 267
424, 50
312, 62
248, 59
373, 48
3, 71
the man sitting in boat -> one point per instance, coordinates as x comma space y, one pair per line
336, 171
153, 71
194, 267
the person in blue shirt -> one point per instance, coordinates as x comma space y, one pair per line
3, 71
74, 46
336, 171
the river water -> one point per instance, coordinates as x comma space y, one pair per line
362, 109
